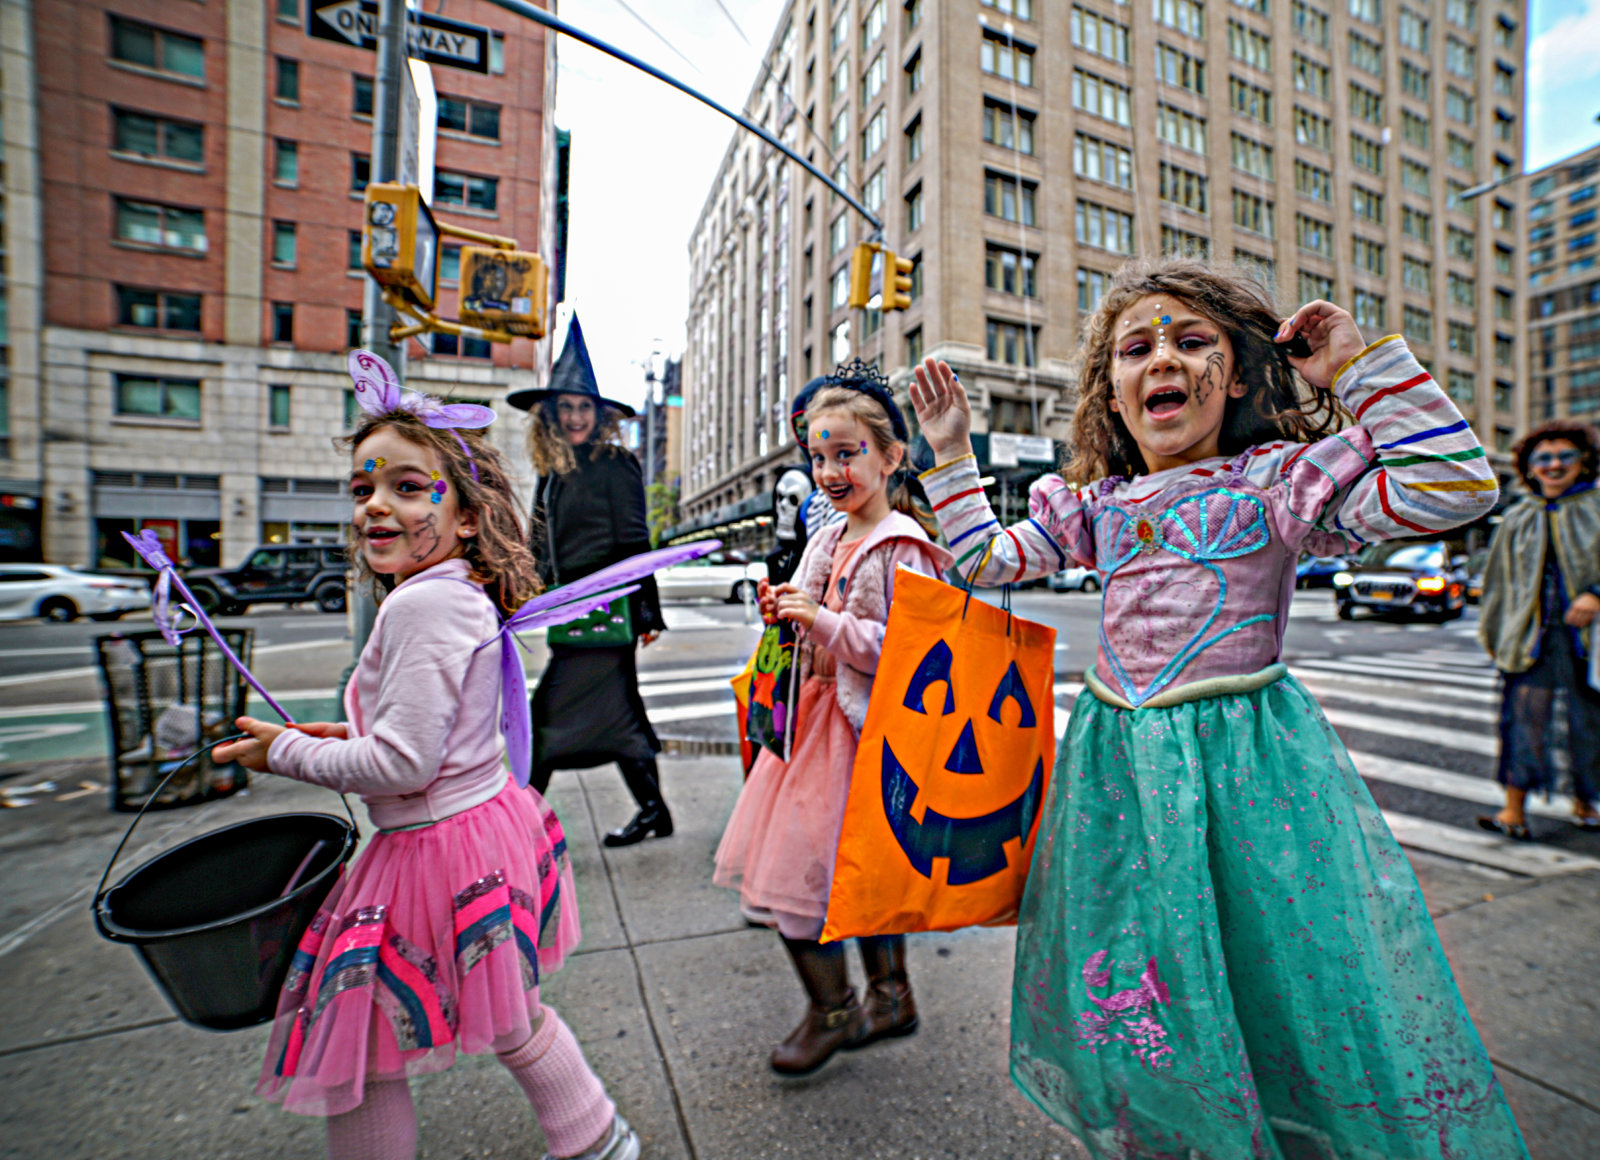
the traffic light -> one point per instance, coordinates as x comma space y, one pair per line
504, 290
896, 281
400, 242
861, 261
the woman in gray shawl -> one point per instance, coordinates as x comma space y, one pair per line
1541, 594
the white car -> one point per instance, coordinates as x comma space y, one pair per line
725, 575
63, 594
1073, 580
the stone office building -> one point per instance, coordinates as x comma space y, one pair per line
1564, 289
1019, 150
183, 188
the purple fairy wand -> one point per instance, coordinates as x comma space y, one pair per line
148, 545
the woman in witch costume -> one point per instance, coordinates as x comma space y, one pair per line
589, 511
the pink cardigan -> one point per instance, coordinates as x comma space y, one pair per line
423, 708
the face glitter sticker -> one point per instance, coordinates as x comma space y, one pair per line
438, 486
1161, 320
863, 447
823, 434
374, 464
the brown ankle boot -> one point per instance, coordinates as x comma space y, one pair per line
821, 1033
889, 1009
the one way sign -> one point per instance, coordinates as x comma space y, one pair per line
431, 38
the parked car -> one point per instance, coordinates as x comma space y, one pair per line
1475, 565
726, 575
273, 574
1073, 580
1405, 577
63, 594
1319, 571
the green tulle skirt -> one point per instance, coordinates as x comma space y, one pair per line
1222, 952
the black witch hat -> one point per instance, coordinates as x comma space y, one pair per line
573, 374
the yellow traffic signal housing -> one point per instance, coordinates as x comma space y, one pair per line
400, 242
896, 281
504, 290
861, 274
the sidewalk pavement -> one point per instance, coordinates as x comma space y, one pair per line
676, 1003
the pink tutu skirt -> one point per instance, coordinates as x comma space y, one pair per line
433, 942
780, 844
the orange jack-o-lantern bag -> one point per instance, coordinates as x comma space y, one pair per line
955, 757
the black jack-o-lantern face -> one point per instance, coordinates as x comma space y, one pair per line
975, 846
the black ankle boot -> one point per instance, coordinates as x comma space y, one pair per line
655, 822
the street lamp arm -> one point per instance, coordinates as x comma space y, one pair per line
1486, 187
540, 16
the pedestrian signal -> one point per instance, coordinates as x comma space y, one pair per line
861, 263
896, 281
505, 290
400, 242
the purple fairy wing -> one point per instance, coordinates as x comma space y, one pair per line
516, 721
622, 572
161, 608
468, 415
148, 545
377, 387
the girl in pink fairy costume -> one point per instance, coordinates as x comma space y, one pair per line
1222, 954
435, 940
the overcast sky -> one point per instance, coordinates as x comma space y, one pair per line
644, 155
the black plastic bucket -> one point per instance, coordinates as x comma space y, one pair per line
217, 919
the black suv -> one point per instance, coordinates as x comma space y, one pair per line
273, 574
1407, 577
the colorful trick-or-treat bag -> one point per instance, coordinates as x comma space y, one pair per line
608, 626
771, 712
954, 761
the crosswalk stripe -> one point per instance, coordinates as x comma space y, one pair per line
1465, 787
1390, 669
1438, 708
659, 675
667, 688
1526, 858
1413, 731
1452, 657
1330, 681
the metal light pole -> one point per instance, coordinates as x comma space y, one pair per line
377, 316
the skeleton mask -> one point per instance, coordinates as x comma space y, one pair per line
788, 496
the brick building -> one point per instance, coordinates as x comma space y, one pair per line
1019, 150
1564, 289
183, 190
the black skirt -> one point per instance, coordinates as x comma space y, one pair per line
587, 710
1548, 709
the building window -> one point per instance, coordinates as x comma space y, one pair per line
1001, 200
283, 322
1462, 13
1310, 129
283, 243
1366, 55
840, 132
1184, 244
874, 135
1369, 10
1314, 235
157, 309
1091, 288
1503, 260
1505, 79
839, 288
839, 342
838, 234
160, 225
1460, 58
1187, 16
1418, 324
1310, 77
1366, 105
287, 85
914, 13
1313, 181
1415, 177
1416, 225
353, 250
1367, 255
1415, 129
914, 75
352, 338
1002, 57
361, 99
1100, 160
1461, 243
277, 408
1099, 35
1413, 30
1249, 46
289, 11
914, 346
1006, 126
474, 118
465, 189
360, 172
449, 344
1463, 291
158, 398
872, 25
1180, 69
1099, 225
1182, 129
1504, 354
872, 193
155, 48
1315, 286
1021, 9
1101, 97
1366, 205
1254, 214
286, 162
149, 136
1368, 309
1252, 157
1461, 152
1011, 342
1366, 154
1183, 187
873, 80
1463, 338
1250, 100
914, 210
1414, 81
1310, 22
1010, 271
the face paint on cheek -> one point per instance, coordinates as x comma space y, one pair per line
425, 534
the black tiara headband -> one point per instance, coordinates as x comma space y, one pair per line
854, 375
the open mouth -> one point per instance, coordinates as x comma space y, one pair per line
1165, 402
837, 490
382, 535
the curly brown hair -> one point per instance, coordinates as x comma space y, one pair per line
498, 554
1278, 404
549, 447
905, 493
1582, 436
